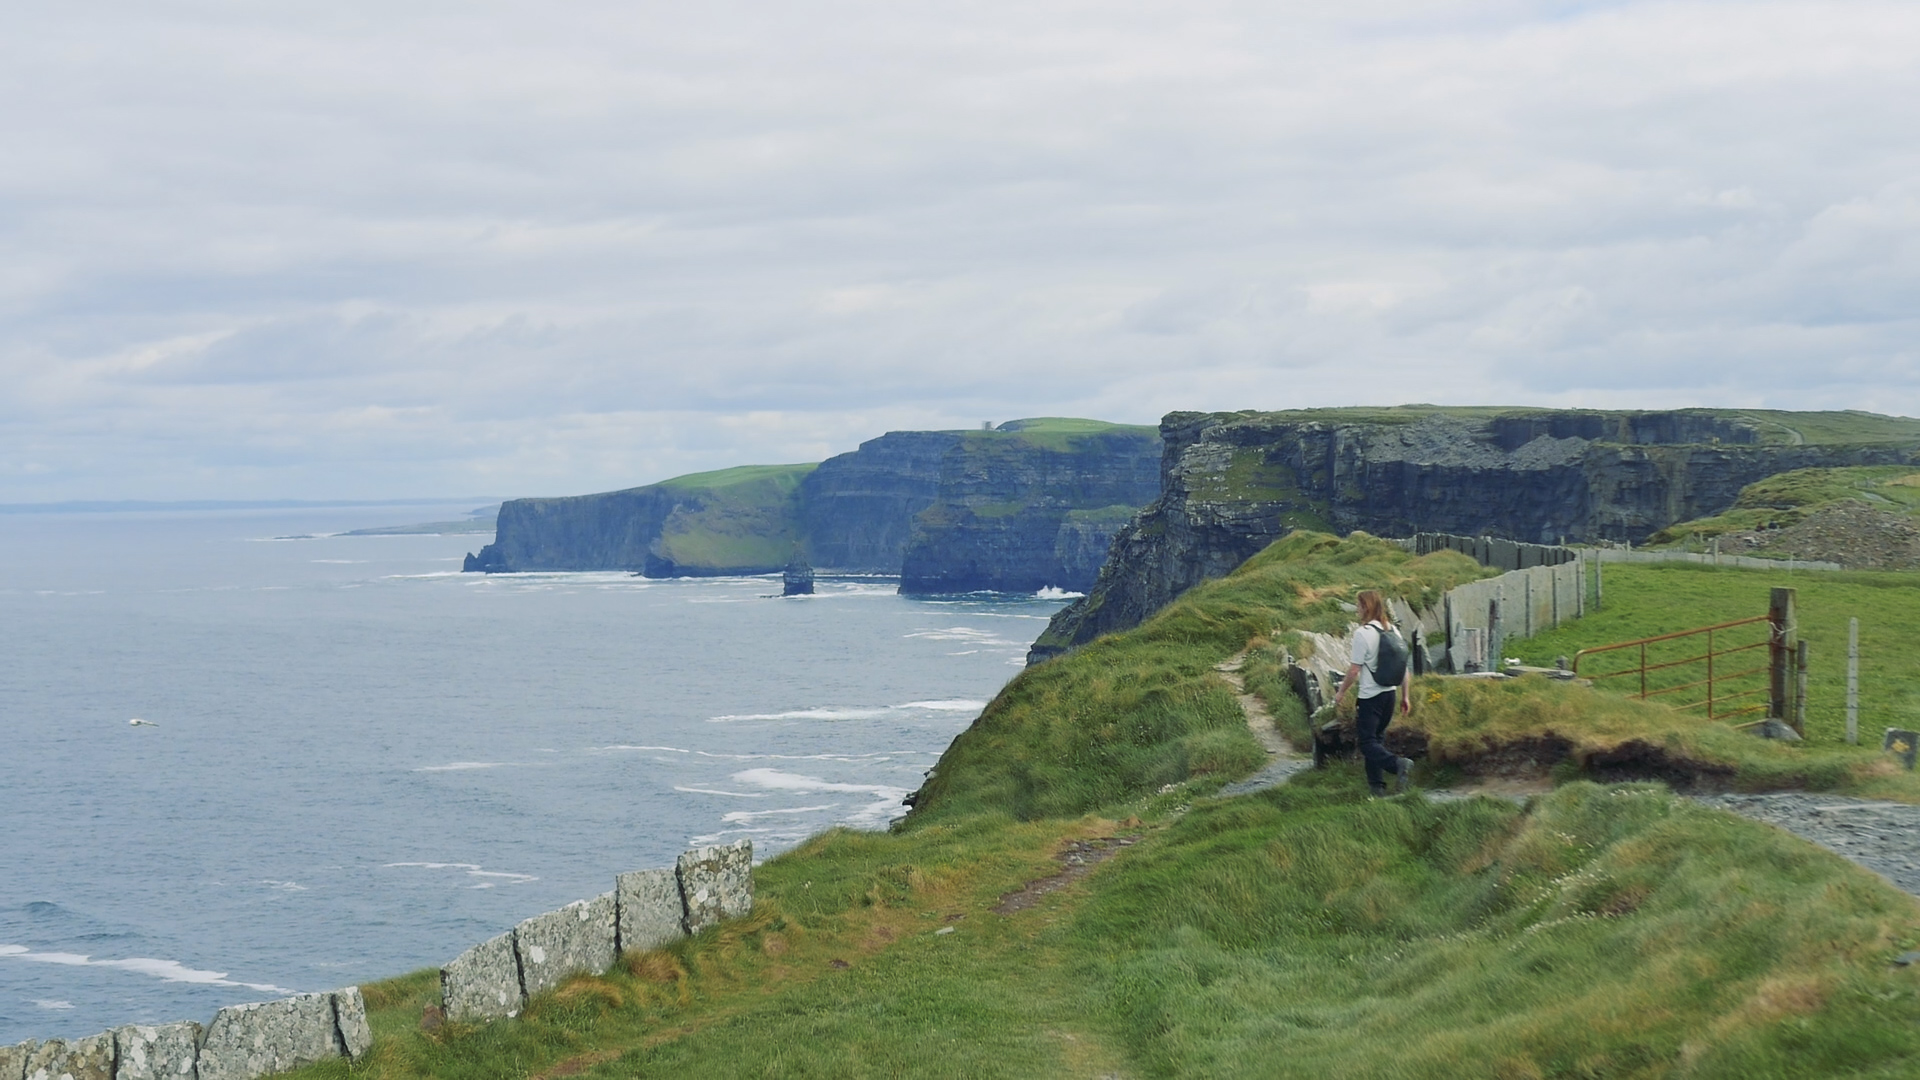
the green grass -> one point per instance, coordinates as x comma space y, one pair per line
763, 477
1648, 599
734, 519
1303, 931
1788, 498
1131, 712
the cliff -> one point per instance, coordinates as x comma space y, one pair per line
1232, 483
1030, 504
734, 521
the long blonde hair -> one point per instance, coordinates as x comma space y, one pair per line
1373, 608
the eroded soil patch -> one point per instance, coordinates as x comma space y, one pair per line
1076, 860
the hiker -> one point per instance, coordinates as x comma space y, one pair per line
1371, 665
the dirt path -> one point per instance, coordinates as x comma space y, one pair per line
1282, 761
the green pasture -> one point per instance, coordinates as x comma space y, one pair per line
1650, 599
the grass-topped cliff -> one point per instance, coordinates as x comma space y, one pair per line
1864, 518
1301, 931
1025, 505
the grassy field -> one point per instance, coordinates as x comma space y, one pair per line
1302, 931
1647, 599
740, 517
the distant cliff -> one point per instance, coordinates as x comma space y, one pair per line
1232, 483
1030, 504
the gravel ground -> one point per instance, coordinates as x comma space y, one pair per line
1882, 836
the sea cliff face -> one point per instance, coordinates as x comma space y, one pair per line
1030, 504
1019, 510
1232, 483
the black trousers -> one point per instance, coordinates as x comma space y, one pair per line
1371, 717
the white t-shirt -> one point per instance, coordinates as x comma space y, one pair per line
1366, 653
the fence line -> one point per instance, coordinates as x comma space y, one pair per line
1749, 562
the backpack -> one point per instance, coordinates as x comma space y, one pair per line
1390, 665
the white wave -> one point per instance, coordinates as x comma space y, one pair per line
165, 970
471, 870
461, 766
624, 746
748, 815
806, 714
284, 886
45, 1004
416, 577
716, 791
864, 713
1052, 593
776, 780
954, 633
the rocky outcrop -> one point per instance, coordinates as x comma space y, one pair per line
1026, 505
1232, 483
797, 578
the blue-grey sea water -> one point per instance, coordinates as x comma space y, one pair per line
358, 761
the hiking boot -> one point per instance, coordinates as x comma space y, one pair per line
1378, 791
1403, 770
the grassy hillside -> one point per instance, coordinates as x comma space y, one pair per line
742, 517
1786, 500
1302, 931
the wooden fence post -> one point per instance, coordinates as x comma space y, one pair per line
1780, 655
1800, 690
1853, 681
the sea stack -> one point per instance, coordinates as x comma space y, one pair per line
798, 577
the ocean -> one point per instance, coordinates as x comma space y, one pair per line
356, 761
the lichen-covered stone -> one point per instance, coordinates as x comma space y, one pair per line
163, 1052
715, 883
90, 1058
247, 1041
350, 1017
13, 1059
483, 982
650, 911
578, 937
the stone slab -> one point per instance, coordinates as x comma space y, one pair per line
483, 982
649, 911
13, 1059
162, 1052
716, 883
248, 1041
350, 1020
577, 938
90, 1058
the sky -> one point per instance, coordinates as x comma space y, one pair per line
359, 250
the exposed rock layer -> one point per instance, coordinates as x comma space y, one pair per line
1232, 483
1024, 506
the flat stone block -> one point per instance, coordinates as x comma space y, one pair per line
165, 1052
13, 1059
716, 883
650, 913
90, 1058
578, 937
483, 982
248, 1041
350, 1019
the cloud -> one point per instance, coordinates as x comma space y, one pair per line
352, 249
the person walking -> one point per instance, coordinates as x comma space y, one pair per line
1382, 675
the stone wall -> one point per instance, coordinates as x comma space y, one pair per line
242, 1042
645, 910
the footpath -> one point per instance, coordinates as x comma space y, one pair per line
1883, 837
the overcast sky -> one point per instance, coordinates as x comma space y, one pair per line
349, 249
